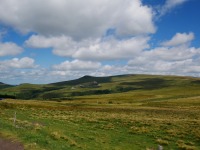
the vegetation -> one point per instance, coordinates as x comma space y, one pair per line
3, 85
138, 112
89, 85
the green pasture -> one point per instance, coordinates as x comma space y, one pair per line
140, 112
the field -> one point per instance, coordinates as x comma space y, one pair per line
151, 111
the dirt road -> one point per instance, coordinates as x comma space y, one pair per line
10, 145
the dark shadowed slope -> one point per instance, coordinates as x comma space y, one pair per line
84, 79
3, 85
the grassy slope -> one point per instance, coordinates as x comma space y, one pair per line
132, 84
3, 85
161, 110
51, 91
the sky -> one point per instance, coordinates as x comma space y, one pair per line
46, 41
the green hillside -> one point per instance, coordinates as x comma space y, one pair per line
3, 85
5, 95
82, 80
128, 112
89, 86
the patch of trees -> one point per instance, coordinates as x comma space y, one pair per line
196, 82
91, 92
52, 96
124, 89
7, 96
118, 89
28, 94
47, 89
148, 83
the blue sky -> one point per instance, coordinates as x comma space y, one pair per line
64, 39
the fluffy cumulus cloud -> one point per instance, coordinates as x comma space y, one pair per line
75, 69
179, 39
91, 49
77, 65
182, 67
20, 70
77, 30
9, 48
18, 76
97, 37
112, 49
62, 45
174, 57
76, 18
172, 54
23, 63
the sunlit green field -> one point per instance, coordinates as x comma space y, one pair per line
135, 120
68, 125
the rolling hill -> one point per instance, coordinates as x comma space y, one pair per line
89, 86
116, 112
3, 85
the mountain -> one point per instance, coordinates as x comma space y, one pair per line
3, 85
84, 79
102, 86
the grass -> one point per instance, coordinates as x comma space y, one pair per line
166, 114
114, 85
66, 125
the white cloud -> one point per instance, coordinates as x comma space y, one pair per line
62, 45
179, 39
99, 70
112, 49
172, 54
76, 18
176, 57
182, 67
18, 76
77, 65
23, 63
194, 69
179, 58
91, 49
169, 5
77, 29
9, 48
